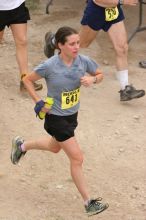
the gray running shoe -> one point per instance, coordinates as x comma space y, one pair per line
94, 207
142, 64
131, 93
49, 48
16, 152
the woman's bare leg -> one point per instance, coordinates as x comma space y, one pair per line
73, 151
19, 32
44, 143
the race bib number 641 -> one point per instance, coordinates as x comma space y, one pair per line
70, 98
111, 14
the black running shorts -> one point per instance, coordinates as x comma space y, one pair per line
18, 15
61, 127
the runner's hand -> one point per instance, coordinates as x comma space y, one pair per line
87, 80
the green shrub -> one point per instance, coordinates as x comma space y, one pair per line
32, 4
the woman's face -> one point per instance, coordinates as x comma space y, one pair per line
71, 46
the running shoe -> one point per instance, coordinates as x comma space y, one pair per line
131, 93
16, 152
95, 207
49, 48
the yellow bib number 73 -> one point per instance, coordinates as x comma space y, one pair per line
70, 98
111, 14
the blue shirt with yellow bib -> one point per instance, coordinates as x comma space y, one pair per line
63, 82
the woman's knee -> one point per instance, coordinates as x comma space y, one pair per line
21, 42
78, 159
55, 149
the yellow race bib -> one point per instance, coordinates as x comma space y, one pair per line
111, 14
70, 99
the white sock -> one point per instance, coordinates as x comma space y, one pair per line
86, 202
23, 147
122, 77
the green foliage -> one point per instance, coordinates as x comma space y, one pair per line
32, 4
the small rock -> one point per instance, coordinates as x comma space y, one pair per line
121, 150
117, 132
59, 187
105, 62
133, 196
136, 187
136, 117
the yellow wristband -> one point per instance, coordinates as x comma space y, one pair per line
23, 75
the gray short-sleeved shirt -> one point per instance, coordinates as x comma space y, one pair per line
63, 82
